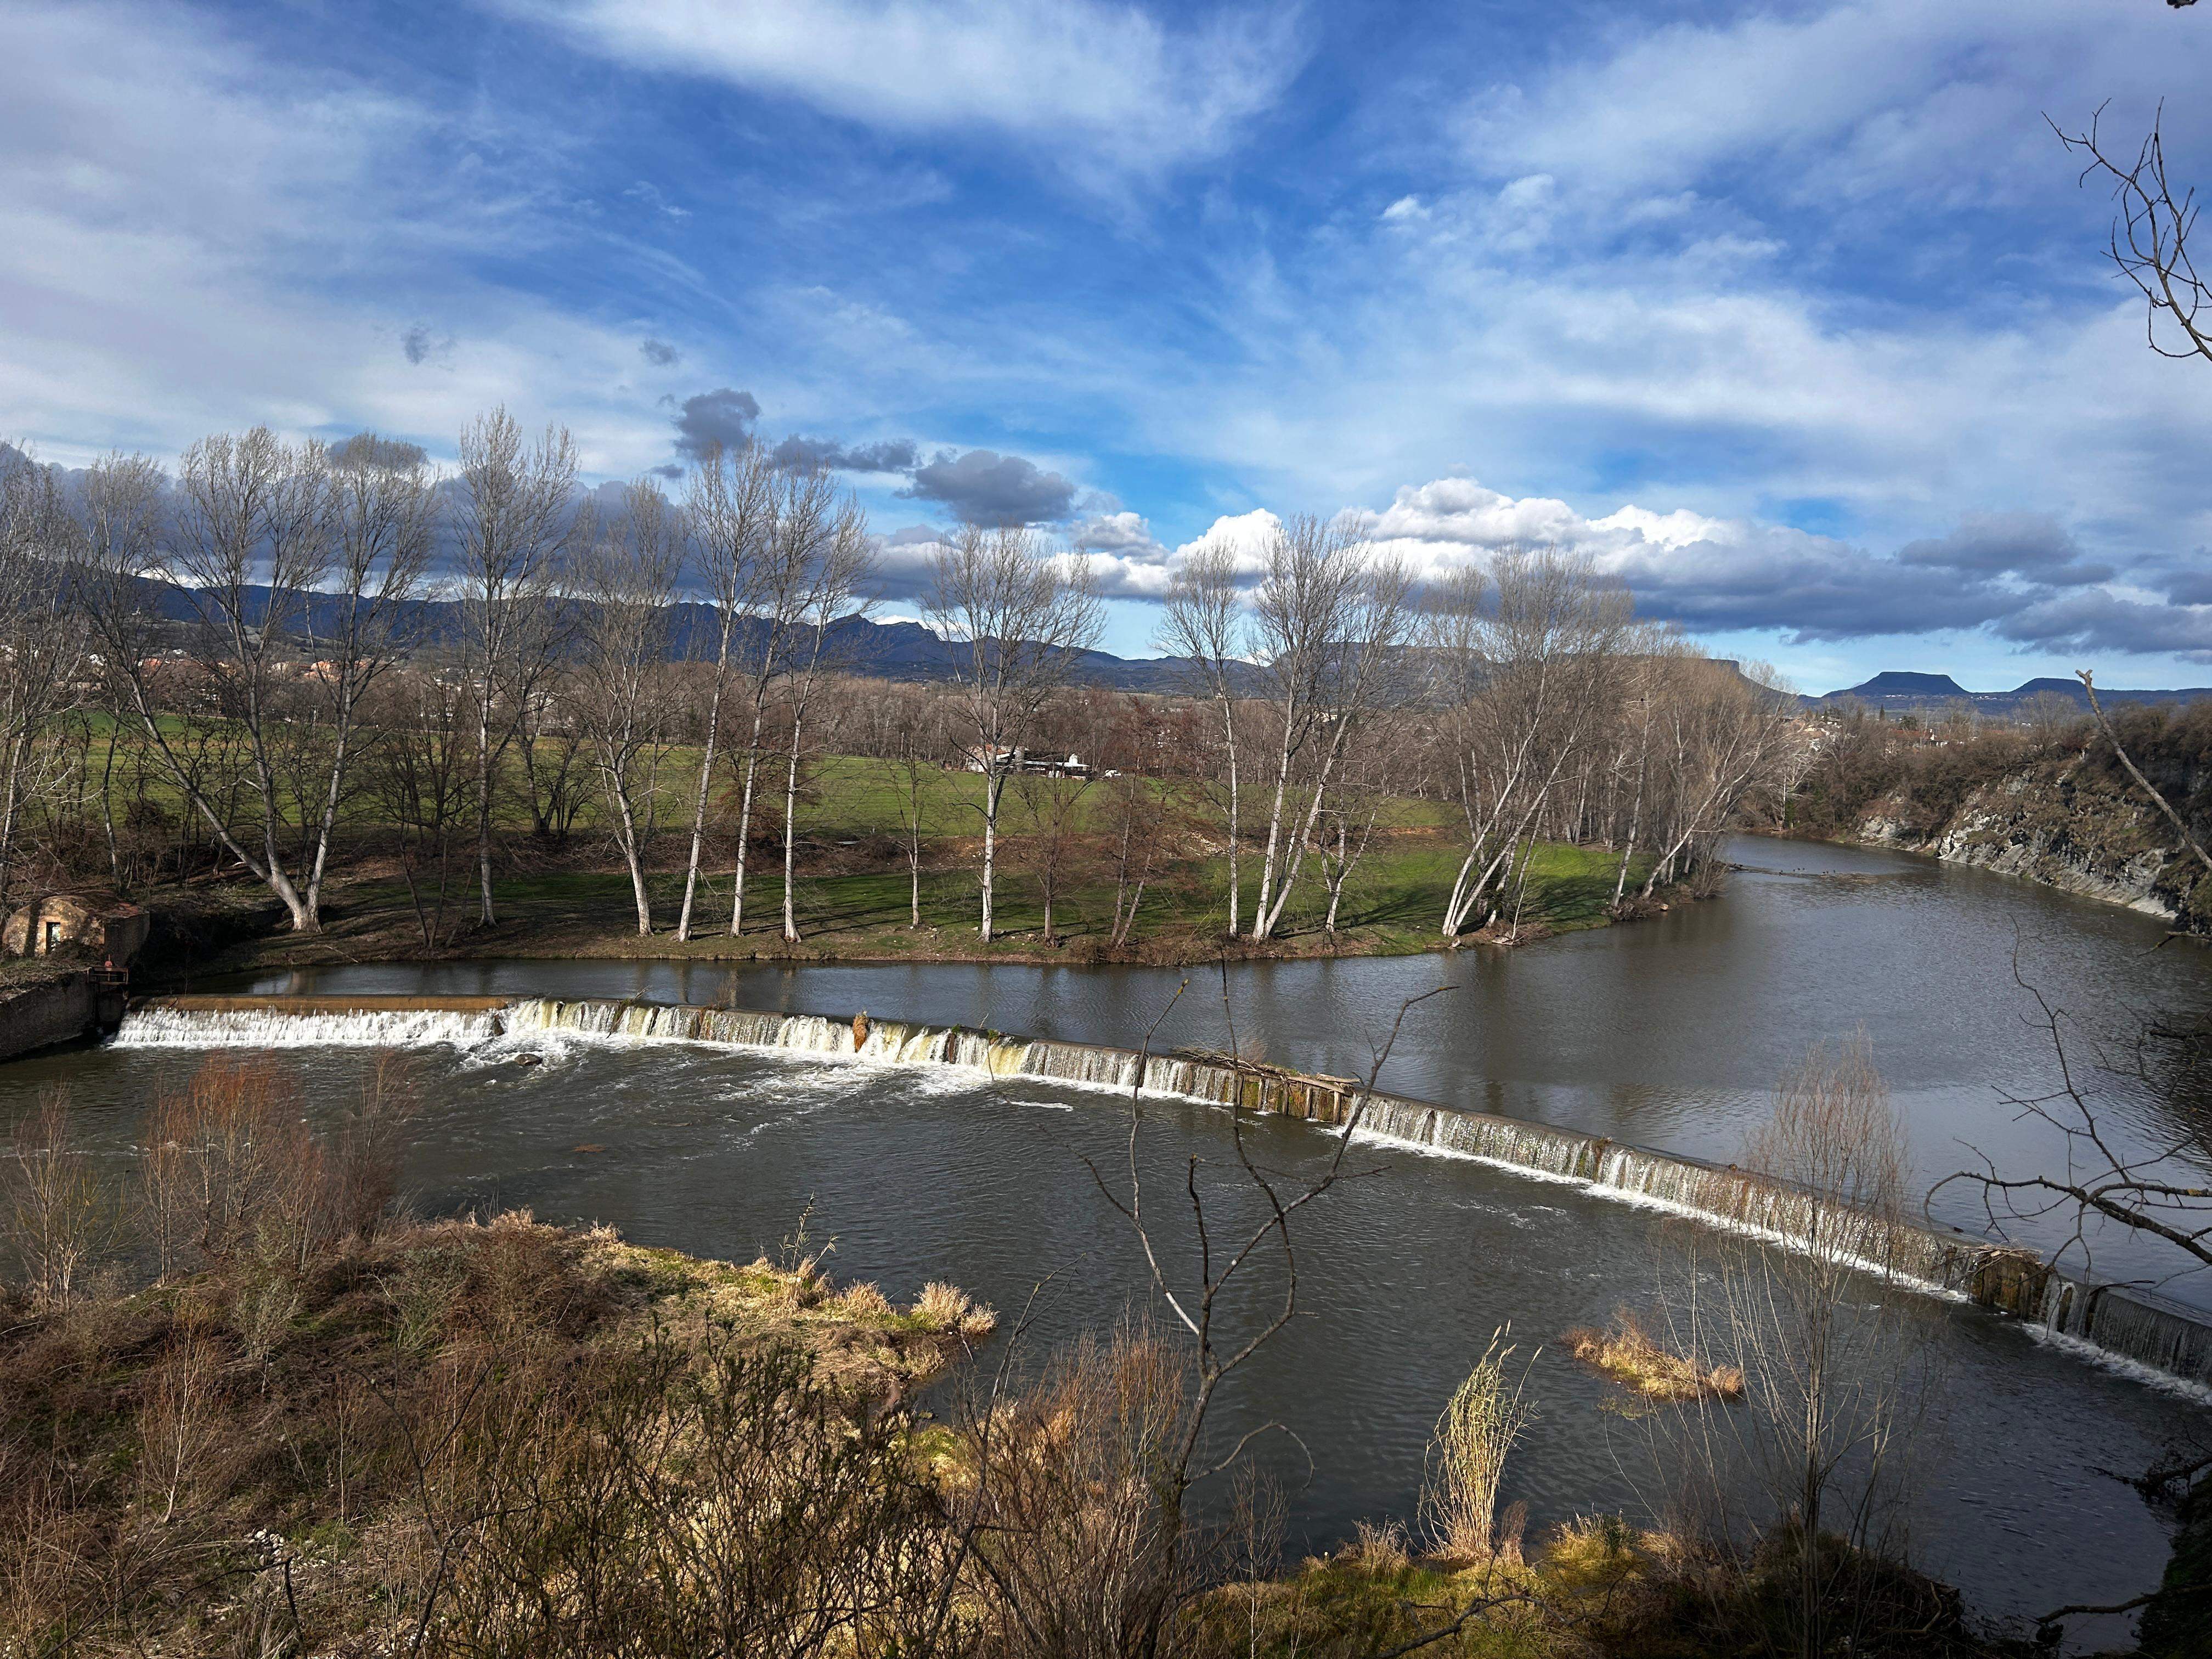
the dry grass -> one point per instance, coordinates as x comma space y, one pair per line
1625, 1352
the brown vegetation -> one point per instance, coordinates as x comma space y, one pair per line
1625, 1352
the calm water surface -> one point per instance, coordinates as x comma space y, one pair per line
1670, 1034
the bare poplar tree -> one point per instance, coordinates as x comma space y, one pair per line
1523, 656
1017, 619
1329, 621
802, 511
419, 772
1202, 620
254, 537
42, 649
626, 576
730, 503
514, 519
383, 512
1728, 732
837, 574
917, 745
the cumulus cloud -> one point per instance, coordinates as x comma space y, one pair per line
722, 417
2019, 575
984, 486
658, 353
1123, 533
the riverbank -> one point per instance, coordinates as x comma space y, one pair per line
1391, 907
2062, 812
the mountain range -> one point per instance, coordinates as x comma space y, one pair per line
1899, 691
908, 651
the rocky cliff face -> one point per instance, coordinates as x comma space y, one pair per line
2052, 822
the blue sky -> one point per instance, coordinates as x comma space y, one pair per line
1793, 315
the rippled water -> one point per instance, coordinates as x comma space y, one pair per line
1669, 1034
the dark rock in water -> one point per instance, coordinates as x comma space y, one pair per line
529, 1059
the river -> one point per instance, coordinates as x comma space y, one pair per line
1669, 1033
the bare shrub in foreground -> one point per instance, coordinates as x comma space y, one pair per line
1835, 1348
1467, 1456
57, 1218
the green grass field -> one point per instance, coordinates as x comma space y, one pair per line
577, 901
1393, 904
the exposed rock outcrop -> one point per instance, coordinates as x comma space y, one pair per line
2053, 822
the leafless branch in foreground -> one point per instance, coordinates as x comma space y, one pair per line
2150, 235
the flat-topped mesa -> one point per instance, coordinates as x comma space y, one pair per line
2138, 1327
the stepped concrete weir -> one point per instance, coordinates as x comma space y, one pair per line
2138, 1327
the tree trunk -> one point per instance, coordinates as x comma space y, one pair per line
706, 780
1229, 727
746, 824
483, 807
791, 834
993, 782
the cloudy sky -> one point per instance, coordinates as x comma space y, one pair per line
1794, 314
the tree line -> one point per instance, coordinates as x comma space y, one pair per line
668, 666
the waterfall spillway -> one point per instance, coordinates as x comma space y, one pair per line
2144, 1329
158, 1026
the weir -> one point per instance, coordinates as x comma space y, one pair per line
2134, 1326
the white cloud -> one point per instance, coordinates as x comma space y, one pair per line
1845, 100
1097, 85
193, 238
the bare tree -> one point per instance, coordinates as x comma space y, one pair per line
625, 578
383, 510
1354, 806
1052, 805
515, 521
802, 513
1136, 822
254, 537
836, 572
42, 649
1329, 623
1017, 620
419, 774
57, 1217
1157, 1582
917, 745
1524, 655
1835, 1348
1202, 620
730, 503
1729, 732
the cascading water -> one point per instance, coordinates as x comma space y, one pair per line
157, 1027
2135, 1327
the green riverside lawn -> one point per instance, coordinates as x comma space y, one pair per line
1392, 906
851, 898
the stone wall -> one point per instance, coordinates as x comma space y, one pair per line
61, 1011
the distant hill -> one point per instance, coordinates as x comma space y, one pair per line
1898, 691
895, 650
